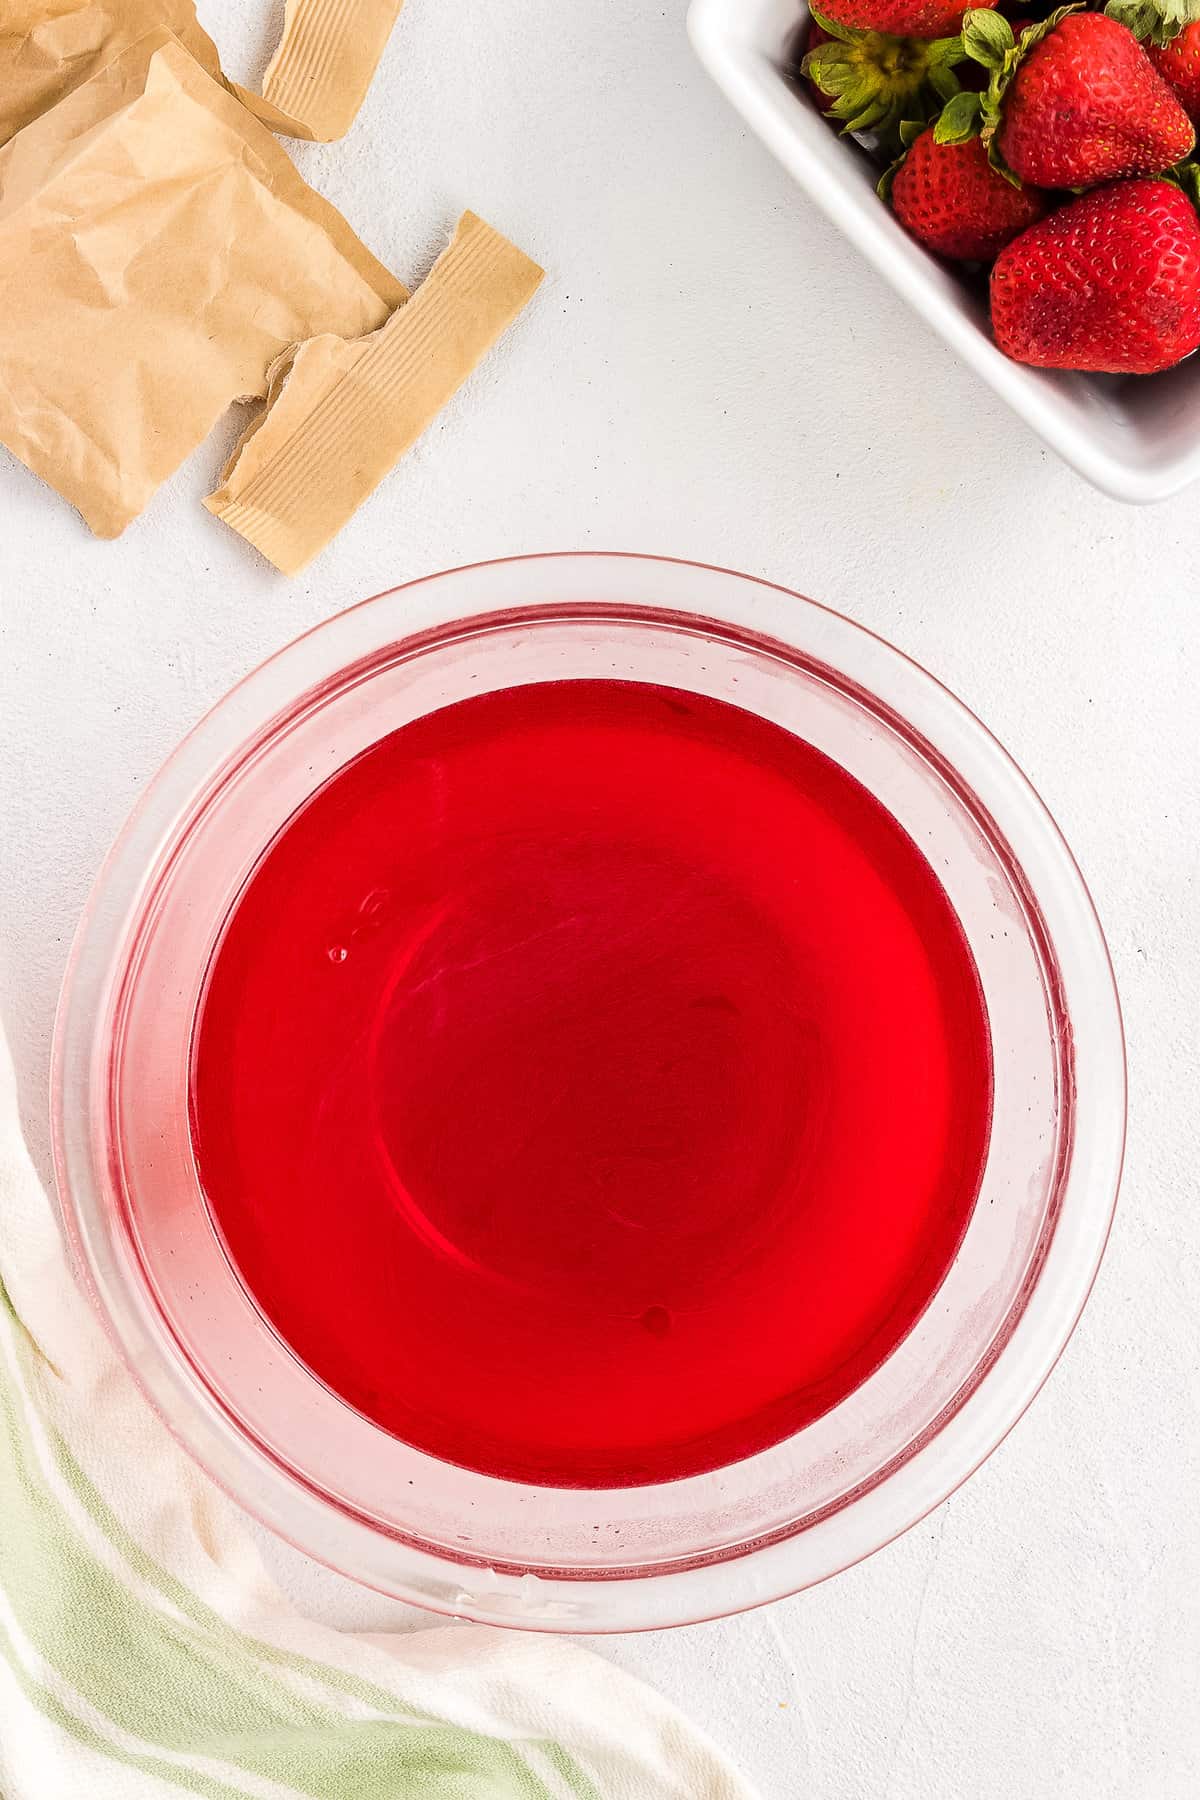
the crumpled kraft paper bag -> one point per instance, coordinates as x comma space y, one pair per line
313, 88
50, 47
158, 252
160, 258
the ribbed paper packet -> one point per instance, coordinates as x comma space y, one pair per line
313, 88
319, 75
158, 252
340, 415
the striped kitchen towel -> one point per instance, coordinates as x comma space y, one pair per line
144, 1652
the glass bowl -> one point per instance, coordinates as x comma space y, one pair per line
503, 1552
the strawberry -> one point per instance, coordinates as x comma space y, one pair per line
1178, 62
871, 82
1086, 105
952, 200
898, 18
1109, 282
1076, 102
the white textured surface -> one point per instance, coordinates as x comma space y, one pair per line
711, 372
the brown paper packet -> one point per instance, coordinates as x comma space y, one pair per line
158, 252
340, 415
313, 88
48, 48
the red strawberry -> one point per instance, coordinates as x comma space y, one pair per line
869, 82
899, 18
1109, 282
1179, 63
951, 199
1083, 104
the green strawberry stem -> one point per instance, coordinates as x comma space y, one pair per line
876, 82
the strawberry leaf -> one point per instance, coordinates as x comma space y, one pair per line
842, 33
827, 66
1154, 21
1187, 175
884, 185
944, 82
987, 37
872, 114
961, 118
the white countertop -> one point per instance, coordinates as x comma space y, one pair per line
709, 372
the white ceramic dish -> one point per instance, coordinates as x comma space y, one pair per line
1136, 438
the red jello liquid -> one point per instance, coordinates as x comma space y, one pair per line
593, 1083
